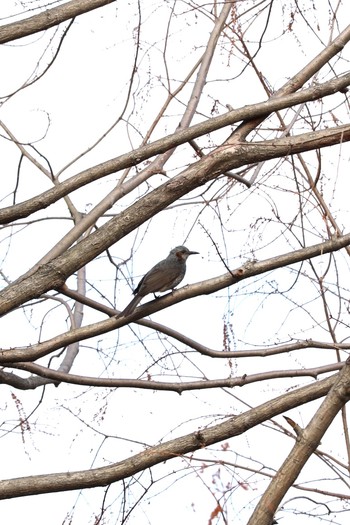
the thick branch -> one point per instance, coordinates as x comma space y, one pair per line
132, 158
205, 287
158, 454
48, 18
53, 274
305, 445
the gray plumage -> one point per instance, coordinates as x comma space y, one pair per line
165, 275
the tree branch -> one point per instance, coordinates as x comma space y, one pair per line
230, 382
305, 445
143, 153
48, 18
194, 290
234, 426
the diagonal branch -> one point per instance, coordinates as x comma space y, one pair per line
305, 446
205, 287
234, 426
143, 153
48, 18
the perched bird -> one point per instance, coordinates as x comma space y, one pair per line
165, 275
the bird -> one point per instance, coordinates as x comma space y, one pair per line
165, 275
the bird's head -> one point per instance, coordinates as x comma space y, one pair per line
181, 252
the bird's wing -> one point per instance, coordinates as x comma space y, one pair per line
158, 279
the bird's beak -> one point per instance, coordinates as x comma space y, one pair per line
193, 253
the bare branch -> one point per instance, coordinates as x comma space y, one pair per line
48, 18
171, 449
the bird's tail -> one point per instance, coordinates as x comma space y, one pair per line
131, 306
